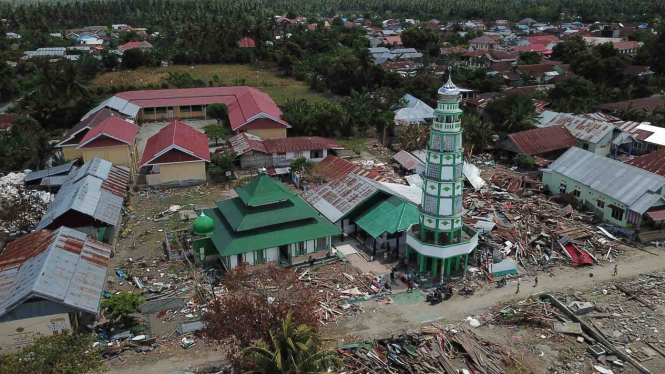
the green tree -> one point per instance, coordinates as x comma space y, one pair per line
512, 113
414, 136
656, 49
61, 353
26, 146
122, 305
292, 350
477, 134
220, 163
303, 166
216, 132
573, 94
8, 84
418, 38
529, 58
566, 51
218, 111
133, 59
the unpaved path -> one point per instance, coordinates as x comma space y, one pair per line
380, 320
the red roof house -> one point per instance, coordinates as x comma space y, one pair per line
543, 39
547, 142
132, 45
176, 154
6, 121
112, 140
256, 152
653, 162
393, 40
249, 109
246, 42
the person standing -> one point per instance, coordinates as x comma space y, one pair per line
518, 288
535, 282
616, 270
392, 276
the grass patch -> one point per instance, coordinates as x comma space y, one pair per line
354, 143
267, 80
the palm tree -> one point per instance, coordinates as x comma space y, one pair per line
292, 350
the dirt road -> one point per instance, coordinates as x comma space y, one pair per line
380, 320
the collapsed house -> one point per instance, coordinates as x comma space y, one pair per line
50, 282
546, 143
90, 200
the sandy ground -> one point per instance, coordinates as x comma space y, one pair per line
381, 320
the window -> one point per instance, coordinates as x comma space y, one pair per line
651, 147
601, 203
436, 142
585, 146
562, 189
197, 108
316, 153
458, 204
252, 157
185, 109
617, 213
297, 154
637, 145
320, 245
148, 110
161, 110
576, 193
281, 156
448, 142
433, 171
430, 204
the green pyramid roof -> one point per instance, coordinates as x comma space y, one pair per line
390, 215
263, 190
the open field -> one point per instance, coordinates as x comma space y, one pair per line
267, 80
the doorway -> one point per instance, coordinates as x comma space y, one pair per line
170, 112
284, 254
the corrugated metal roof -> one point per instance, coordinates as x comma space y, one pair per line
112, 128
543, 140
97, 189
582, 128
617, 180
333, 168
62, 169
407, 160
121, 105
337, 198
414, 111
65, 266
653, 162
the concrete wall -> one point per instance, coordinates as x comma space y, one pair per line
276, 133
182, 172
16, 334
177, 113
253, 160
121, 155
71, 153
588, 196
272, 256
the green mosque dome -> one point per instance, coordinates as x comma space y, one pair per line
203, 225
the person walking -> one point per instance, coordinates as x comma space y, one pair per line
616, 270
535, 282
518, 289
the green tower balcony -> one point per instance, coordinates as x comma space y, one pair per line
461, 245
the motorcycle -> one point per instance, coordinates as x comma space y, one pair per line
466, 291
440, 294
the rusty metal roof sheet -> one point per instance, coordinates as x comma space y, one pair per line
337, 198
97, 189
407, 160
582, 128
64, 266
334, 168
543, 140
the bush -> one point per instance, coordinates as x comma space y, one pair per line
122, 305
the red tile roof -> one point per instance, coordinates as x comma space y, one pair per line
246, 42
131, 45
244, 103
475, 54
543, 140
543, 39
6, 120
626, 45
243, 143
532, 48
393, 40
93, 120
395, 65
175, 143
537, 70
653, 162
333, 168
112, 131
636, 70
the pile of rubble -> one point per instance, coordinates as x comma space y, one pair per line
338, 286
519, 222
11, 187
434, 350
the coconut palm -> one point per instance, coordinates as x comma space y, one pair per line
292, 350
